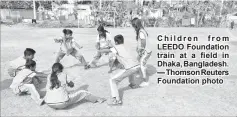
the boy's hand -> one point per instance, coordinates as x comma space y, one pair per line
80, 47
58, 40
70, 84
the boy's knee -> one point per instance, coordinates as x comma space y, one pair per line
79, 57
112, 80
59, 57
97, 56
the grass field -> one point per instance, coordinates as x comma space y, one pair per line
159, 100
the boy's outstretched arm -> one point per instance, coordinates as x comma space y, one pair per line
77, 45
58, 40
41, 75
104, 50
70, 83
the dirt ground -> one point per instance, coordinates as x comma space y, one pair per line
154, 100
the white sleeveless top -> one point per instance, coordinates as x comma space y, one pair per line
58, 95
104, 41
23, 77
143, 36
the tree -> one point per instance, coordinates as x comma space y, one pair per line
17, 4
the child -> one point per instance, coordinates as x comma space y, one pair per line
58, 97
68, 47
131, 66
143, 49
19, 63
113, 61
23, 82
103, 45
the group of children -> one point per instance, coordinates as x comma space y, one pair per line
25, 75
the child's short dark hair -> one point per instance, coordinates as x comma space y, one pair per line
67, 31
29, 51
118, 39
30, 63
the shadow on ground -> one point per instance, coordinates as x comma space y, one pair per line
151, 70
6, 83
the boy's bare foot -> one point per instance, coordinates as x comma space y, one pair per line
101, 100
90, 65
133, 86
93, 65
87, 66
40, 102
114, 102
144, 84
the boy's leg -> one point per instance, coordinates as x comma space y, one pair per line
94, 99
96, 58
78, 56
12, 72
122, 74
80, 95
143, 63
112, 60
114, 82
33, 92
139, 54
75, 98
131, 80
60, 56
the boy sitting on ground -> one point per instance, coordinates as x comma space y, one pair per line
23, 82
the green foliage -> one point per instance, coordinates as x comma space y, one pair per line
16, 4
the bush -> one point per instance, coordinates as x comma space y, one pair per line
58, 24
